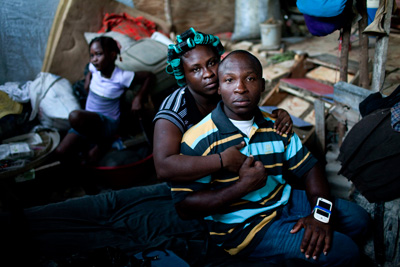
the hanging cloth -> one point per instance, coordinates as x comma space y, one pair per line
136, 28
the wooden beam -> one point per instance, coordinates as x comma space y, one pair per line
332, 61
381, 46
349, 95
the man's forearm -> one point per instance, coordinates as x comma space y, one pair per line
316, 185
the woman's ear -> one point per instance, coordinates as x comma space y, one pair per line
114, 55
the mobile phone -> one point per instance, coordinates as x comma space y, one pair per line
322, 211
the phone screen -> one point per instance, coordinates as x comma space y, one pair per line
323, 213
324, 205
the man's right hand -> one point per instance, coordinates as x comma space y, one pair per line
252, 175
232, 158
317, 236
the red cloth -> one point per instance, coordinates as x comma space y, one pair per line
136, 28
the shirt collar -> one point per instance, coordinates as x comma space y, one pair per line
225, 126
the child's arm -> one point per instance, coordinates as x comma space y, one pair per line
146, 79
88, 78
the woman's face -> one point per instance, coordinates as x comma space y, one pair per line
200, 67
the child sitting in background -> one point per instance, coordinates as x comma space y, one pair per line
105, 83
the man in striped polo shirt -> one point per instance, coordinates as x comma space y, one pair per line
255, 213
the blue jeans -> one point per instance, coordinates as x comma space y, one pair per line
278, 244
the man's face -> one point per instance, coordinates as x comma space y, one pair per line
200, 66
240, 86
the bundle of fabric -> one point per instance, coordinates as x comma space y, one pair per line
134, 27
370, 152
324, 17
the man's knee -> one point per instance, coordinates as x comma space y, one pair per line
355, 221
344, 251
360, 223
364, 219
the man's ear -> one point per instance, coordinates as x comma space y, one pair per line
263, 85
219, 90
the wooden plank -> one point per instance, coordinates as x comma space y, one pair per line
310, 116
309, 98
277, 71
333, 62
308, 85
349, 94
277, 98
326, 75
294, 105
274, 97
300, 68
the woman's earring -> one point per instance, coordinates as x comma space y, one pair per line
120, 58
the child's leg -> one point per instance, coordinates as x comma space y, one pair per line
68, 146
88, 124
97, 152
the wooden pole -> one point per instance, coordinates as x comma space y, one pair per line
344, 64
344, 52
363, 42
381, 47
319, 107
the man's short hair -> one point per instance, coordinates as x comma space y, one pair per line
257, 63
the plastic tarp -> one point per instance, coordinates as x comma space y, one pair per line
25, 26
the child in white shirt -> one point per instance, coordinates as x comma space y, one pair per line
105, 83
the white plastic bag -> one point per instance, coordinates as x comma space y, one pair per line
52, 99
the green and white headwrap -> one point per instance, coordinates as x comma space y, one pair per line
185, 42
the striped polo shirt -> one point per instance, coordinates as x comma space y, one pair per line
240, 226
